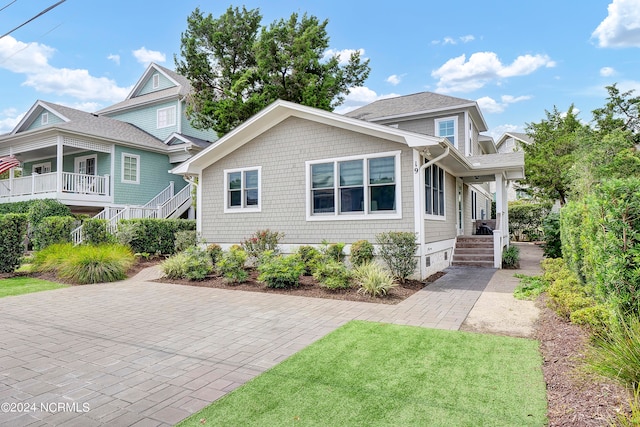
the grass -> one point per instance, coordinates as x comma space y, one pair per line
25, 285
373, 374
530, 287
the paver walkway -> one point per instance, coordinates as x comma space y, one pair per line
150, 354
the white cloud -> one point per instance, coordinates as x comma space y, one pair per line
9, 118
500, 130
490, 105
344, 55
468, 38
621, 27
607, 71
359, 96
394, 79
460, 75
448, 40
114, 58
146, 56
24, 58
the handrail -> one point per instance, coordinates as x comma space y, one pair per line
175, 202
161, 198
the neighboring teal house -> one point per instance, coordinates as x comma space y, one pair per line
114, 163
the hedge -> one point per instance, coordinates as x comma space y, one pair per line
525, 219
156, 236
601, 241
51, 230
13, 232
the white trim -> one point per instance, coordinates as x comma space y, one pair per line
155, 81
44, 118
77, 160
432, 217
436, 127
44, 165
367, 214
242, 209
171, 117
122, 178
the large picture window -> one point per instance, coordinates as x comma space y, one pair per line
354, 187
242, 190
434, 179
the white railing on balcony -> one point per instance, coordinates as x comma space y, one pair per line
47, 183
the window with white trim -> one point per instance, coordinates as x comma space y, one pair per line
166, 117
130, 168
40, 168
447, 128
44, 119
434, 180
242, 190
359, 186
156, 81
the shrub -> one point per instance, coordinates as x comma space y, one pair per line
175, 267
96, 232
332, 275
310, 257
525, 219
362, 252
511, 257
551, 234
52, 229
215, 252
87, 263
334, 251
397, 250
280, 271
373, 279
42, 208
129, 232
157, 236
185, 239
197, 263
596, 317
13, 232
261, 241
617, 352
231, 265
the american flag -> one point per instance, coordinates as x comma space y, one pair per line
8, 162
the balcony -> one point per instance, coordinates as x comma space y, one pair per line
73, 188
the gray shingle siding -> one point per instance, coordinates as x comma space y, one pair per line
282, 152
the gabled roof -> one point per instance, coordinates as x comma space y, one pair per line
181, 88
522, 137
179, 138
280, 110
417, 104
90, 124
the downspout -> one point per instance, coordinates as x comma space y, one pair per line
423, 267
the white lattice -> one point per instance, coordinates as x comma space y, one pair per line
86, 144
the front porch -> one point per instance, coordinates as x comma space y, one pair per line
68, 188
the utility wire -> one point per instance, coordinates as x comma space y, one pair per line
28, 45
37, 16
4, 7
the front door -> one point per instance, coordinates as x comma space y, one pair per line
85, 165
460, 205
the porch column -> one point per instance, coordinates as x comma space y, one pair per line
498, 232
59, 164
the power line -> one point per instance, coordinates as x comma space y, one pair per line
4, 7
37, 16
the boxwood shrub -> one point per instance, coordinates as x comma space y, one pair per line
157, 236
13, 232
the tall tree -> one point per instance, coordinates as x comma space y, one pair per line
620, 113
237, 68
550, 157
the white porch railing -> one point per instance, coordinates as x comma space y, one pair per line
48, 183
161, 198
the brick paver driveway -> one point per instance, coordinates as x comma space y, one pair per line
141, 353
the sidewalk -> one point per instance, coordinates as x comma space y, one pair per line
497, 311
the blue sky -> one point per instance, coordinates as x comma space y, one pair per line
517, 59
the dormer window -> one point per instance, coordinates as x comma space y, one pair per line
44, 119
156, 81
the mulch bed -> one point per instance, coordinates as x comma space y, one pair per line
575, 396
309, 287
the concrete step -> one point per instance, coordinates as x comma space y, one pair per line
472, 257
474, 251
471, 245
475, 263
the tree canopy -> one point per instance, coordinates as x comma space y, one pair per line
237, 67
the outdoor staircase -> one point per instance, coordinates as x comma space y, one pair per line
165, 205
476, 251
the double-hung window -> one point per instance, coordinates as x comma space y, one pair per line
130, 168
354, 187
446, 128
242, 190
434, 191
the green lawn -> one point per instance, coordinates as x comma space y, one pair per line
373, 374
25, 285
